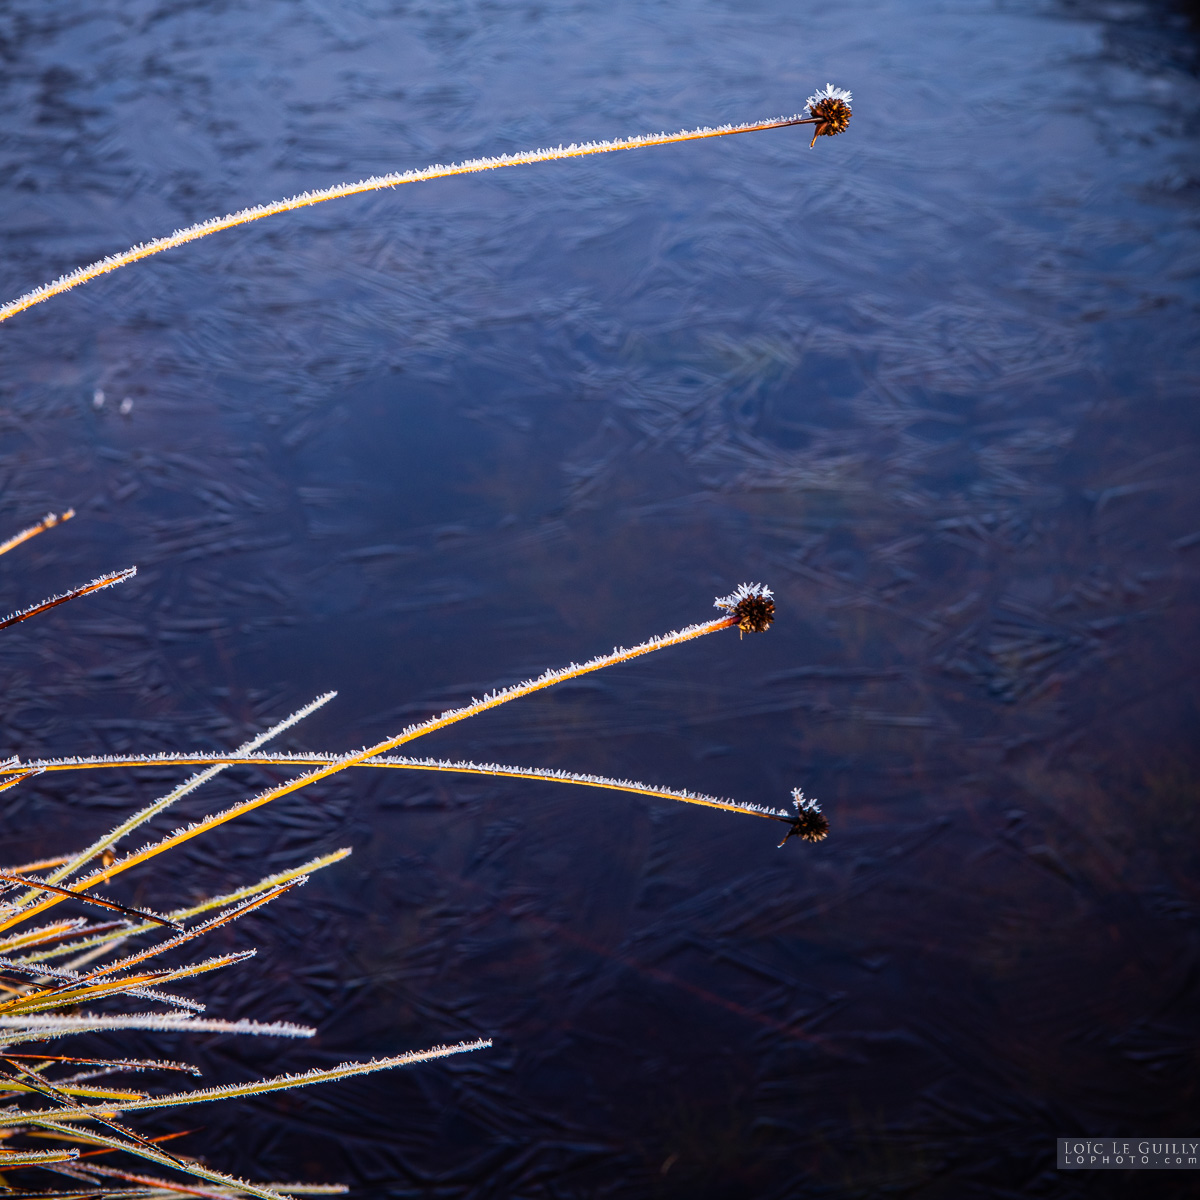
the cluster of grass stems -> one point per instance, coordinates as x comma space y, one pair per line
62, 1113
58, 1099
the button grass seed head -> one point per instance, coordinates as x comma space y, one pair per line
831, 110
751, 606
810, 823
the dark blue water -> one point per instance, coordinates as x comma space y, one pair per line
934, 381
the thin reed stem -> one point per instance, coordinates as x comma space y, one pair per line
96, 585
59, 998
131, 960
35, 1158
47, 522
41, 864
140, 818
39, 886
450, 717
43, 1026
152, 1182
50, 1092
15, 1086
163, 1159
12, 781
124, 1064
376, 183
397, 763
55, 932
89, 940
255, 1087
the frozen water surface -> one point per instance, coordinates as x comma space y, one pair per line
934, 381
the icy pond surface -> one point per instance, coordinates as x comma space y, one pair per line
934, 381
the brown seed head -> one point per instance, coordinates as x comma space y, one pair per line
812, 826
834, 116
829, 109
750, 606
809, 824
754, 614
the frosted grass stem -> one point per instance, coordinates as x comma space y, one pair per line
189, 785
47, 522
377, 183
450, 717
397, 763
97, 585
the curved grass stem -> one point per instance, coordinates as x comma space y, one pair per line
397, 763
47, 522
376, 183
411, 733
97, 585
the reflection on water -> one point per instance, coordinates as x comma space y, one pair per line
932, 381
